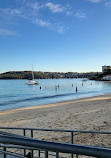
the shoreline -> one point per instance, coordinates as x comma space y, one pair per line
93, 98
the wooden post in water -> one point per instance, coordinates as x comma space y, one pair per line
76, 89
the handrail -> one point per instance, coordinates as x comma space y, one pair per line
17, 147
58, 147
10, 134
58, 130
12, 154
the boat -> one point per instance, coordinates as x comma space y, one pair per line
32, 81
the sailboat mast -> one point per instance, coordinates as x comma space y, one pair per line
32, 73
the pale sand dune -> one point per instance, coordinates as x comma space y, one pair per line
83, 114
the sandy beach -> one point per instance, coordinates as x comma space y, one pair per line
92, 113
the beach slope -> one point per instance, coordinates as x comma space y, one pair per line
88, 113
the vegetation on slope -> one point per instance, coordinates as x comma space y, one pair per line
44, 75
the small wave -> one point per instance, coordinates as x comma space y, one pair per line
33, 99
43, 97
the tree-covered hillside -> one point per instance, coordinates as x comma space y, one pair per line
44, 75
22, 75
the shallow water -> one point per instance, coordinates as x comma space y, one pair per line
16, 94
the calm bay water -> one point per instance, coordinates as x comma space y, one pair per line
16, 94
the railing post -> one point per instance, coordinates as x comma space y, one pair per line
76, 156
72, 141
32, 153
46, 153
4, 149
24, 133
57, 154
72, 138
38, 153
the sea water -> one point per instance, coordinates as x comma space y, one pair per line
17, 94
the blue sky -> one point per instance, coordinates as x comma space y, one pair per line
55, 35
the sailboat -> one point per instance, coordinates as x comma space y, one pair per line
32, 82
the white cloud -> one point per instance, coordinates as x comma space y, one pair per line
58, 8
55, 8
4, 32
34, 5
80, 15
108, 4
34, 12
60, 29
94, 1
55, 27
42, 23
8, 13
15, 11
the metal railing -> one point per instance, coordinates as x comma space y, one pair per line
47, 146
56, 147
